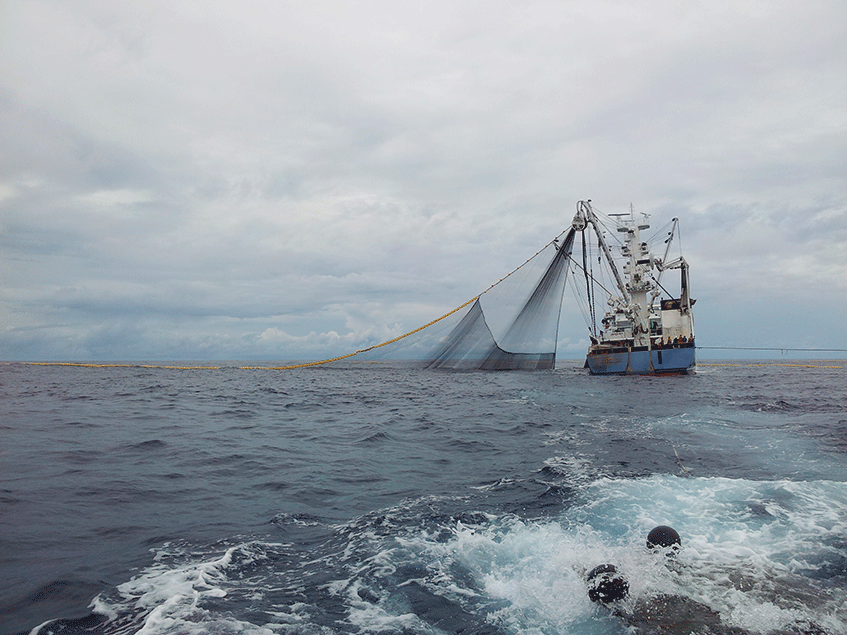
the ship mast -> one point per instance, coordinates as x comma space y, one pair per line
635, 303
584, 216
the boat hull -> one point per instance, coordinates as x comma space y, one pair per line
640, 361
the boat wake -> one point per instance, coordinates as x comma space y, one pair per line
756, 557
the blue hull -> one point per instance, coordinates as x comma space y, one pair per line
631, 361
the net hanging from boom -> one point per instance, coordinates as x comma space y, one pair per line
513, 325
529, 342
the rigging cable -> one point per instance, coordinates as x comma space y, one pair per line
593, 292
593, 323
554, 242
580, 301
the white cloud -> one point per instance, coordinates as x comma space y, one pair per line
213, 179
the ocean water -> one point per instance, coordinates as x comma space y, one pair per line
379, 498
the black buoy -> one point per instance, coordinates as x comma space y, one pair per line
665, 538
605, 584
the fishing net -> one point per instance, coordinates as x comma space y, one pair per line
512, 325
528, 343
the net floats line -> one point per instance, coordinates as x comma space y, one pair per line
362, 350
765, 348
420, 328
323, 361
762, 365
88, 365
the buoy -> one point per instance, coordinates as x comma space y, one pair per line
666, 538
605, 584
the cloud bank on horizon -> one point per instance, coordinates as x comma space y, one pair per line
289, 180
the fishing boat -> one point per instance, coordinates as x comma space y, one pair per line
514, 324
640, 332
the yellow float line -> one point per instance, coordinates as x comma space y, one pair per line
307, 364
83, 365
420, 328
362, 350
370, 348
789, 365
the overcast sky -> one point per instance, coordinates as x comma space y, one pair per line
284, 180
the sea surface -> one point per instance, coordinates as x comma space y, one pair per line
380, 498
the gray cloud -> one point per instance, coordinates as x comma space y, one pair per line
287, 179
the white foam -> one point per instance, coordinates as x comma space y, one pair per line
373, 618
535, 573
745, 552
169, 597
751, 550
99, 606
37, 629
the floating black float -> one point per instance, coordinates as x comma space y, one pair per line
665, 538
605, 584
